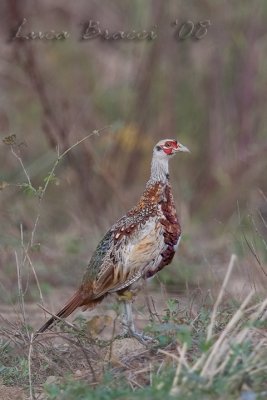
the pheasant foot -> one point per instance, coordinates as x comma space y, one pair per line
141, 337
129, 328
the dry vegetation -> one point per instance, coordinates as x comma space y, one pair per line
202, 354
197, 350
85, 117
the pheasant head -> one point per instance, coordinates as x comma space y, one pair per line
162, 152
167, 148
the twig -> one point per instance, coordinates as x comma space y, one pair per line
84, 351
34, 228
35, 276
113, 338
220, 296
51, 173
88, 360
175, 389
254, 254
56, 317
22, 165
27, 257
95, 132
166, 353
41, 196
213, 355
30, 369
152, 313
263, 195
21, 296
50, 362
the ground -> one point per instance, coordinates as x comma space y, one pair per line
87, 363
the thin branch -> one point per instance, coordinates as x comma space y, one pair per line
220, 296
175, 388
22, 165
35, 277
21, 296
30, 369
218, 344
51, 173
95, 132
254, 254
41, 196
56, 317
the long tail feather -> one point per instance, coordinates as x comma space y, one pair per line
75, 302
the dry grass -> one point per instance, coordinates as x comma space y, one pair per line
222, 351
200, 350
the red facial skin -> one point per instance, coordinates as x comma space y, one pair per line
170, 146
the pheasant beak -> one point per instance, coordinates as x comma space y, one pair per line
181, 147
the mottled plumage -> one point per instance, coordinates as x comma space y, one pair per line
138, 245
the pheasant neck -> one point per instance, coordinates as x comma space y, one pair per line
159, 171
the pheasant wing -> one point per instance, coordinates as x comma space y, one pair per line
124, 255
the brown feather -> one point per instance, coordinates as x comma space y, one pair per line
75, 302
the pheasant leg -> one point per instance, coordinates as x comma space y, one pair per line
129, 328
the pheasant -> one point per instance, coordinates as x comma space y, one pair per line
135, 248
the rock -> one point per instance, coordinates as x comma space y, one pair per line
122, 348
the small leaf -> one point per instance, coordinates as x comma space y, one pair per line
28, 189
172, 304
39, 192
184, 334
205, 345
10, 140
50, 178
36, 247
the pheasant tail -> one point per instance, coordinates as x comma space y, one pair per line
75, 302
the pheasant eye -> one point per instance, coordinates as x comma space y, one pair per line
167, 144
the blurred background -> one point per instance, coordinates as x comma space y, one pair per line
210, 93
